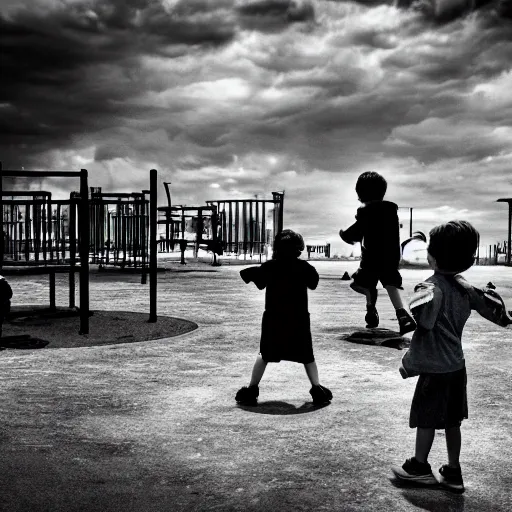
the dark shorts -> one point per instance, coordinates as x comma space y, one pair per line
368, 278
440, 400
286, 338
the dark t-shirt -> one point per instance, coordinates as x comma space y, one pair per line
378, 229
286, 283
285, 327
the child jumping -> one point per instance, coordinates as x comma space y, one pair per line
441, 306
377, 228
285, 329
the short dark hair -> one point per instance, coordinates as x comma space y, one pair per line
454, 245
371, 186
288, 244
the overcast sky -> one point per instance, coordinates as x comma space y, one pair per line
232, 99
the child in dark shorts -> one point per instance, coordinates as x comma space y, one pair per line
285, 328
5, 300
378, 229
441, 306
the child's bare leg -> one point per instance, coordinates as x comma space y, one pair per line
453, 444
394, 296
371, 295
424, 440
312, 373
258, 370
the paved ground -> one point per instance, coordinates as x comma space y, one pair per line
153, 426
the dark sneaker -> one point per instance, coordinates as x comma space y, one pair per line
415, 472
372, 317
320, 395
451, 478
248, 395
405, 321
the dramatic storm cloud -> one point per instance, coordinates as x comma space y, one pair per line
231, 99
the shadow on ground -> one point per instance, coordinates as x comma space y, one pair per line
32, 327
378, 337
279, 408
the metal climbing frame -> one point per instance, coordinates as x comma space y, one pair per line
248, 226
119, 227
46, 236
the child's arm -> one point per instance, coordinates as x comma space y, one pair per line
352, 234
255, 274
425, 304
487, 303
312, 277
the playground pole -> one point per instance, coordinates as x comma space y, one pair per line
84, 252
152, 245
2, 214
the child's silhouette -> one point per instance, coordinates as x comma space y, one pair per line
285, 329
378, 229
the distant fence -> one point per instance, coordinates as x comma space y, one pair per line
494, 254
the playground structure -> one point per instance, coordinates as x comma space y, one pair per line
249, 226
42, 235
324, 250
46, 236
196, 226
231, 227
119, 228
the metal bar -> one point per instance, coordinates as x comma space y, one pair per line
28, 234
230, 225
41, 174
49, 221
108, 241
237, 222
251, 229
72, 249
257, 238
152, 245
509, 233
25, 193
84, 253
263, 219
244, 226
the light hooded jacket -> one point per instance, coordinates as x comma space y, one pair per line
441, 306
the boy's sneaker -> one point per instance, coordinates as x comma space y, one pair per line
248, 395
415, 472
320, 394
405, 321
372, 317
451, 478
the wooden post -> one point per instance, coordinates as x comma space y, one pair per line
84, 252
153, 218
